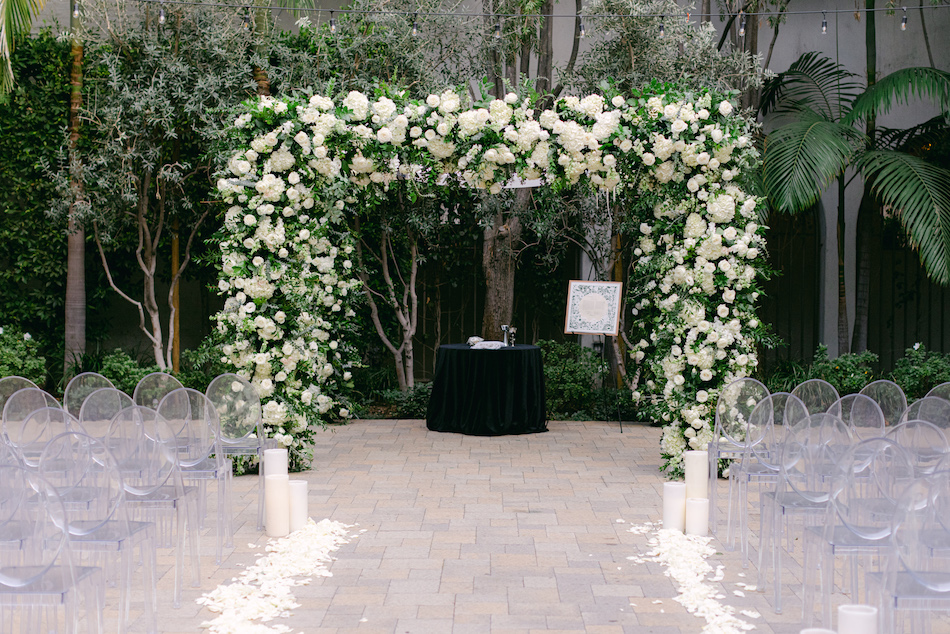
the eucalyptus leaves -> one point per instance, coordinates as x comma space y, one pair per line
299, 162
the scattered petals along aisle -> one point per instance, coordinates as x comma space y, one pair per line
263, 591
684, 557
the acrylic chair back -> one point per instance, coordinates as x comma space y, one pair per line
152, 388
100, 407
733, 409
145, 449
931, 409
83, 470
861, 413
81, 386
868, 482
809, 453
926, 443
940, 391
890, 398
239, 410
194, 420
22, 403
780, 411
921, 530
11, 384
817, 395
29, 436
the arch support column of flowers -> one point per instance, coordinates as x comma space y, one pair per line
679, 160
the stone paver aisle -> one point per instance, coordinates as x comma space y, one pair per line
459, 534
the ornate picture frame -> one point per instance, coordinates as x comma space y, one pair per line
593, 308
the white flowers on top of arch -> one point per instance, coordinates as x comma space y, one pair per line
299, 163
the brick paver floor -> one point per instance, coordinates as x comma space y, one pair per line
457, 534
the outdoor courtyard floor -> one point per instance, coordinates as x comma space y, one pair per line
454, 533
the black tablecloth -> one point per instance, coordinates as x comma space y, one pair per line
487, 392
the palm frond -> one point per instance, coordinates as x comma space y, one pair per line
16, 19
813, 80
802, 158
920, 193
918, 140
900, 87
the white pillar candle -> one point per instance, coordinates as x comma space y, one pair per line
299, 511
276, 505
697, 474
275, 462
816, 630
674, 505
697, 516
857, 619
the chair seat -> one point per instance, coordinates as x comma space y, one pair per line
54, 583
110, 533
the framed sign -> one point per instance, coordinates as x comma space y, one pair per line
593, 308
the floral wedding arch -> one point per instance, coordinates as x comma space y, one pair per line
299, 163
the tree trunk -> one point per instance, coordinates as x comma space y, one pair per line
844, 328
75, 308
499, 261
546, 50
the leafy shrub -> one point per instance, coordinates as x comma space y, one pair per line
919, 370
200, 366
571, 375
124, 371
412, 403
20, 355
848, 373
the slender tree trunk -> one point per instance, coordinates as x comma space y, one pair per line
706, 9
546, 50
499, 261
865, 226
844, 328
75, 309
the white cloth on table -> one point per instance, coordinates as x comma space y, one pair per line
488, 345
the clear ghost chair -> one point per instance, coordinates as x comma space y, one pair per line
81, 386
916, 575
11, 384
22, 403
926, 443
146, 450
100, 407
809, 453
890, 398
931, 409
940, 391
152, 388
194, 419
242, 430
41, 584
866, 485
735, 404
29, 436
817, 395
87, 478
861, 413
773, 415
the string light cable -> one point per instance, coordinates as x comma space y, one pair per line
742, 15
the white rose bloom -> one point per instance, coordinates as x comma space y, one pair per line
617, 101
706, 375
433, 101
384, 135
648, 158
725, 108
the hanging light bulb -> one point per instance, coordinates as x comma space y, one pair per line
247, 20
582, 32
161, 15
904, 20
824, 24
332, 23
415, 25
662, 29
742, 24
498, 30
76, 10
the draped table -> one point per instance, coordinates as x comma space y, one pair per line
487, 392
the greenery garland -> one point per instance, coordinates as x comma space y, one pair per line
300, 164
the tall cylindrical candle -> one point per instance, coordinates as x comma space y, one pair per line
674, 505
857, 619
697, 474
299, 511
816, 630
275, 462
276, 505
697, 516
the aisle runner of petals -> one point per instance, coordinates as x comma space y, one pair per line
684, 557
263, 591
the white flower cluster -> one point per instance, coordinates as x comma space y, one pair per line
288, 277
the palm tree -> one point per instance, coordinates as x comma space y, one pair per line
822, 103
16, 17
